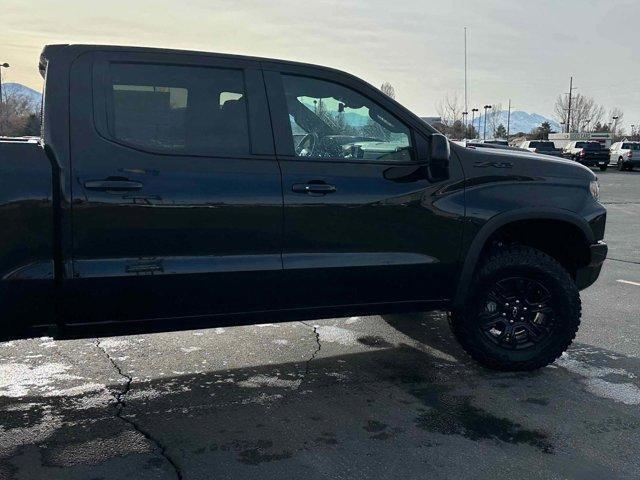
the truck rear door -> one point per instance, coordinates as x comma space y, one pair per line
177, 197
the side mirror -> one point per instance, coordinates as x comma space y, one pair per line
435, 152
439, 151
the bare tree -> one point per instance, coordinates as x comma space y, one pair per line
16, 114
585, 112
388, 89
494, 118
615, 117
450, 111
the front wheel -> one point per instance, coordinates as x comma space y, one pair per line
523, 311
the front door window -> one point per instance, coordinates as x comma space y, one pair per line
329, 120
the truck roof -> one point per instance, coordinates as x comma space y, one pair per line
49, 52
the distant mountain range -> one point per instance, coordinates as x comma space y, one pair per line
520, 121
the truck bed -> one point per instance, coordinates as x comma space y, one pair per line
26, 237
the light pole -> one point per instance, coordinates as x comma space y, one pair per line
2, 65
464, 122
509, 121
486, 107
473, 115
615, 125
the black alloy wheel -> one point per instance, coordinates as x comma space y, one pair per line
517, 313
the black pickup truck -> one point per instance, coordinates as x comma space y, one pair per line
591, 154
174, 189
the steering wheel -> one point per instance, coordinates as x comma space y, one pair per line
312, 140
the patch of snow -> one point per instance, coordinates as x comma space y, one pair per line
112, 343
586, 370
339, 335
19, 379
626, 393
258, 381
148, 394
190, 349
78, 390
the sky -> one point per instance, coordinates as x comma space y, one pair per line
519, 50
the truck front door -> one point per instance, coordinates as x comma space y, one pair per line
365, 221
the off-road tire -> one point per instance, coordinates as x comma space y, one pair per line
530, 263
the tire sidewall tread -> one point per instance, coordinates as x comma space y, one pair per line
542, 267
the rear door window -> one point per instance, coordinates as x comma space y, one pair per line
631, 146
542, 145
178, 109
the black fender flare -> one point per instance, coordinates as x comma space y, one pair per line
494, 223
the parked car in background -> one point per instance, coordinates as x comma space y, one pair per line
590, 154
495, 141
625, 155
541, 146
479, 144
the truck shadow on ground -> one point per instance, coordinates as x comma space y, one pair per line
393, 410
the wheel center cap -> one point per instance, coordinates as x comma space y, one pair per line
515, 311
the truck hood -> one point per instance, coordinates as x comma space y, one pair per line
529, 163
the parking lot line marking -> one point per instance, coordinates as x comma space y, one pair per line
630, 282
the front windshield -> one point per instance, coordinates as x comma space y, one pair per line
331, 121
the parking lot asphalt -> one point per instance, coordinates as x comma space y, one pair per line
353, 398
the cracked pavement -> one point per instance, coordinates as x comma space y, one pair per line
350, 398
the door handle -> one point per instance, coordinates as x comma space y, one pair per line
313, 188
113, 184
